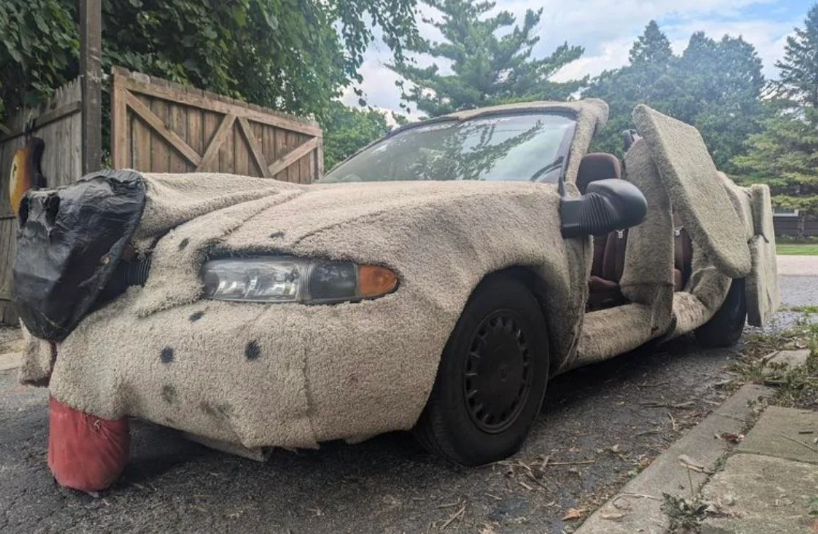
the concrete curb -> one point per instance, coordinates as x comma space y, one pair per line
637, 507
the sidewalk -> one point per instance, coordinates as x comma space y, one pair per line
771, 484
717, 480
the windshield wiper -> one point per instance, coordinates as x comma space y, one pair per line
556, 164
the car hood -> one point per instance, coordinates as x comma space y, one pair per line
397, 224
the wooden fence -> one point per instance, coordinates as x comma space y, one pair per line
160, 126
58, 123
797, 226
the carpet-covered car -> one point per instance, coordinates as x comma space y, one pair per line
435, 281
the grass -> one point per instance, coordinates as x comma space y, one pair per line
797, 249
793, 388
801, 309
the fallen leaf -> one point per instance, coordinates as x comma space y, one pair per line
573, 513
814, 526
731, 438
611, 516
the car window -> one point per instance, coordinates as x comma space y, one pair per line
518, 147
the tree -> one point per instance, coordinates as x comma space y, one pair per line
347, 129
799, 67
645, 80
491, 61
718, 89
785, 153
713, 85
295, 56
652, 48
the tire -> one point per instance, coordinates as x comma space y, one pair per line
724, 329
497, 358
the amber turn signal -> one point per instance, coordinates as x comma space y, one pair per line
374, 281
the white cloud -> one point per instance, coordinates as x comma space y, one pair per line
607, 30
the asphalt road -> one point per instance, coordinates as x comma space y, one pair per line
598, 427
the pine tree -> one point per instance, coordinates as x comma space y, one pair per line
785, 153
799, 68
491, 61
714, 85
645, 80
651, 48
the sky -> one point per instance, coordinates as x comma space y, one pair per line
607, 30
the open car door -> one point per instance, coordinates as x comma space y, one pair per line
731, 225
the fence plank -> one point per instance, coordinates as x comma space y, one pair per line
241, 154
140, 139
256, 151
158, 125
9, 246
227, 149
211, 155
294, 155
120, 129
160, 151
195, 133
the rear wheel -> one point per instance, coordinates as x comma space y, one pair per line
492, 377
724, 329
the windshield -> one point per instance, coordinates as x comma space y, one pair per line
519, 147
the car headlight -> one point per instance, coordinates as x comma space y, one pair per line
289, 279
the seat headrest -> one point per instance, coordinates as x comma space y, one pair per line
598, 166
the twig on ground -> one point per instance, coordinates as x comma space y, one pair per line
679, 406
634, 495
582, 462
657, 385
457, 515
813, 449
673, 422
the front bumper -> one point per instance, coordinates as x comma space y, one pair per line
257, 375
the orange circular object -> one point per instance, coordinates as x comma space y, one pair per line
374, 281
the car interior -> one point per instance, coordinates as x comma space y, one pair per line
609, 250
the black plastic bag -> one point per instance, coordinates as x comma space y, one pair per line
69, 243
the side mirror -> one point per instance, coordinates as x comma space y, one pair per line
607, 205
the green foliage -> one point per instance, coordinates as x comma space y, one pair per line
491, 61
799, 68
346, 130
39, 44
713, 85
646, 80
785, 153
291, 55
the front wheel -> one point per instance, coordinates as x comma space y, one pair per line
492, 376
724, 329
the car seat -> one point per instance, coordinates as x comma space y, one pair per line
609, 250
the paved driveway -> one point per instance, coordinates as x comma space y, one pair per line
599, 425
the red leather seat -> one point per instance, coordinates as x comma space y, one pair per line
609, 251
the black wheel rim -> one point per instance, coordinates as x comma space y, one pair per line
497, 377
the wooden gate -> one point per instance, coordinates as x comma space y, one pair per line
160, 126
59, 124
